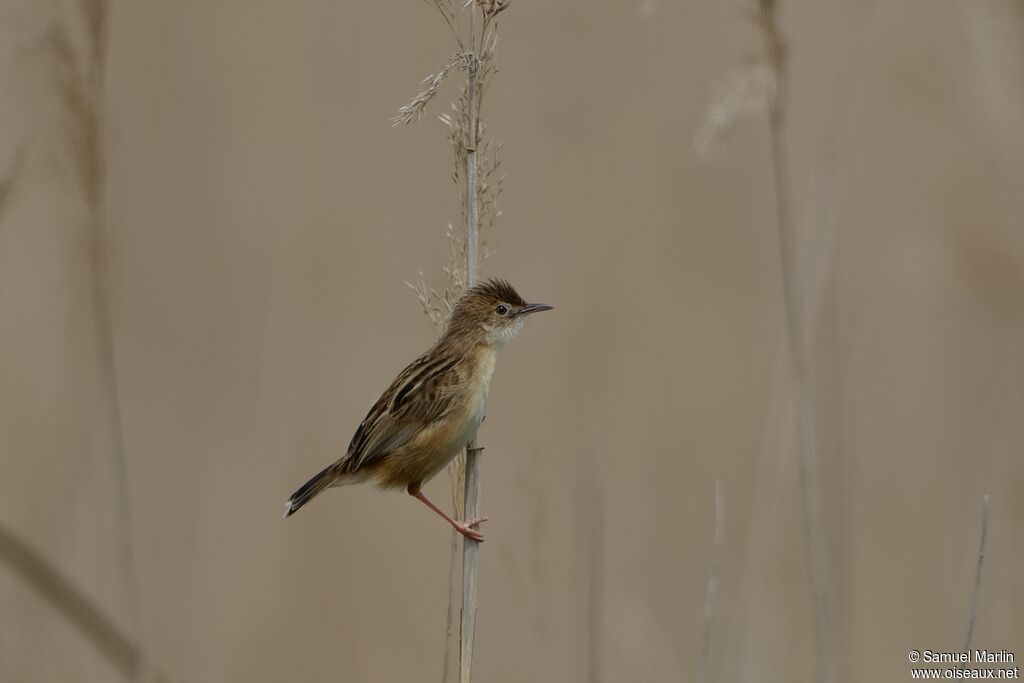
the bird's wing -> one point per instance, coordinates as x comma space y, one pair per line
422, 394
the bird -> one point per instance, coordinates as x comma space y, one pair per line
434, 407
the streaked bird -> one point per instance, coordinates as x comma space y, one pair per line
434, 406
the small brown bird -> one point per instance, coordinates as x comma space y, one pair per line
434, 406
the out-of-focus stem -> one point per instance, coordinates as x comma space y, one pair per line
814, 536
88, 107
972, 611
711, 597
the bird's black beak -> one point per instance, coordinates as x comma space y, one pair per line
533, 308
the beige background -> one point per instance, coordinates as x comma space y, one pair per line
263, 216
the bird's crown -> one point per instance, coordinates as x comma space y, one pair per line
491, 311
496, 291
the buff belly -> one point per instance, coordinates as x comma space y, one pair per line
425, 456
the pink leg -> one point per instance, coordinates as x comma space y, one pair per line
464, 529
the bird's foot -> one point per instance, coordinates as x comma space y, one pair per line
467, 530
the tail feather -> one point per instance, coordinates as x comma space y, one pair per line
318, 483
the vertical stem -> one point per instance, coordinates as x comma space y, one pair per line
93, 169
112, 408
472, 491
595, 589
472, 208
977, 574
814, 535
450, 612
711, 597
469, 565
472, 216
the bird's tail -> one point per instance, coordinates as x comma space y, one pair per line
318, 483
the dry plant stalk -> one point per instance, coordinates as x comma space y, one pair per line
761, 86
973, 610
595, 583
711, 597
766, 19
477, 176
69, 600
79, 76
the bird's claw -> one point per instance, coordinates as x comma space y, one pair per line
467, 530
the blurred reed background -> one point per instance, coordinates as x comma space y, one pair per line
259, 215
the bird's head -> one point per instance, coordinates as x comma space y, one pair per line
493, 312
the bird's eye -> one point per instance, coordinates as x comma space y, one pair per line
501, 309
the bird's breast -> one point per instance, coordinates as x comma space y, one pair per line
432, 449
480, 384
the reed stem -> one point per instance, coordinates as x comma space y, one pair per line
711, 596
972, 611
471, 506
792, 283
